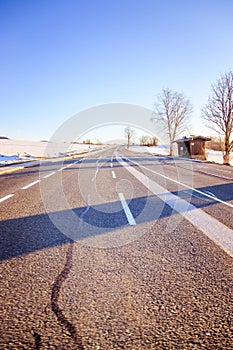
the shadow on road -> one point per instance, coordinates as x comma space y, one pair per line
28, 234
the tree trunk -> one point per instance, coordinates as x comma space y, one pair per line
226, 159
227, 152
171, 149
128, 141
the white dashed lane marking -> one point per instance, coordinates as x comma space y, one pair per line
6, 197
127, 211
30, 185
62, 169
113, 175
46, 176
37, 181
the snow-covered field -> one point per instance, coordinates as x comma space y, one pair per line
16, 151
216, 156
212, 156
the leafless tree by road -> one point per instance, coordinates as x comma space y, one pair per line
172, 110
218, 112
129, 134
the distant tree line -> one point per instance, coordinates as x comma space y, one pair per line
148, 141
88, 142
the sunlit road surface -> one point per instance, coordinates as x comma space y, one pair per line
117, 250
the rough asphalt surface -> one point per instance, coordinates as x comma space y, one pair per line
159, 284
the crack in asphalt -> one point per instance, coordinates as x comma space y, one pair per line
37, 338
55, 296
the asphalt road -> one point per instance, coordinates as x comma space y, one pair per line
117, 250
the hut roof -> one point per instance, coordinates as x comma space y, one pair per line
185, 139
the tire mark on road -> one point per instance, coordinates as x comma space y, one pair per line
55, 296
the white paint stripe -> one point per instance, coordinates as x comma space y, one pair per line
224, 171
97, 169
215, 230
69, 165
113, 174
196, 196
87, 208
182, 184
96, 172
219, 176
46, 176
61, 169
111, 165
212, 194
127, 211
6, 197
31, 184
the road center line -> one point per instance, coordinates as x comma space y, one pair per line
127, 211
61, 169
6, 197
46, 176
31, 184
113, 174
211, 227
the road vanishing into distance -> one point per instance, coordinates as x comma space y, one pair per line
117, 250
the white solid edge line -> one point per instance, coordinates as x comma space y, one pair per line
46, 176
6, 197
214, 229
127, 211
225, 171
184, 185
31, 184
113, 174
216, 175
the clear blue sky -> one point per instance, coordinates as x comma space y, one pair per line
59, 57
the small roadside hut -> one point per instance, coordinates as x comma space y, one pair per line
192, 147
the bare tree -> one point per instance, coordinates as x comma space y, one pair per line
129, 134
218, 112
153, 141
172, 110
144, 140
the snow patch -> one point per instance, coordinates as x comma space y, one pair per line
212, 156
